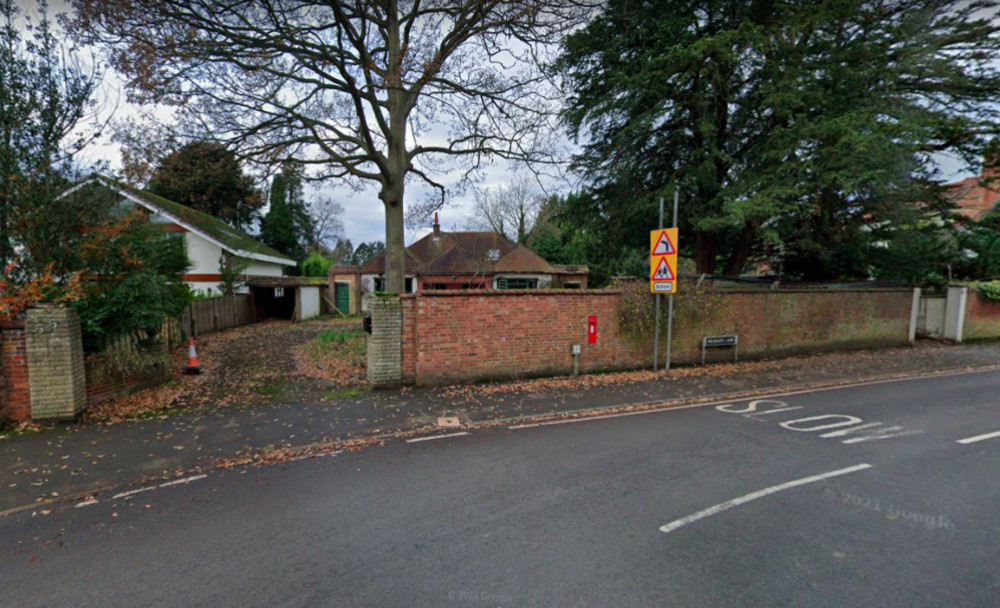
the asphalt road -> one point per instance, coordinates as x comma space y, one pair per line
800, 500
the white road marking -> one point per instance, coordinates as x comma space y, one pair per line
85, 503
433, 437
729, 504
842, 420
132, 492
870, 432
184, 480
751, 406
968, 440
664, 405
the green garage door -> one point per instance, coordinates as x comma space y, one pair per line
342, 297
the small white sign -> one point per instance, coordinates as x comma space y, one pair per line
664, 287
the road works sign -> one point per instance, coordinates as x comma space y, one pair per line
663, 260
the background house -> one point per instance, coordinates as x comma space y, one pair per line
209, 240
976, 196
455, 260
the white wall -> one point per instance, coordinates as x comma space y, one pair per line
203, 254
309, 303
264, 269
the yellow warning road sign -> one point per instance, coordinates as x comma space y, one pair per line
663, 244
663, 260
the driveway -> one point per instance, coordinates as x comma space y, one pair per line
261, 364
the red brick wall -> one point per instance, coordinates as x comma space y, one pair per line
409, 338
982, 317
462, 336
15, 371
774, 323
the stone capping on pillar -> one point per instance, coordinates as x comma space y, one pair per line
54, 344
385, 344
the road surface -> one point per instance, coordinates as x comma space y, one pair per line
876, 495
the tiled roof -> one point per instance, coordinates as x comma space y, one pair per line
468, 253
231, 239
522, 259
975, 196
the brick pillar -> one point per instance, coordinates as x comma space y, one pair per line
17, 394
385, 344
3, 382
55, 361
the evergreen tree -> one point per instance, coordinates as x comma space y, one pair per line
807, 122
208, 177
287, 226
367, 251
342, 252
44, 94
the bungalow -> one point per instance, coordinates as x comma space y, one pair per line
455, 260
209, 240
975, 197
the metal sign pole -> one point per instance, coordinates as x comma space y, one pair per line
656, 332
670, 300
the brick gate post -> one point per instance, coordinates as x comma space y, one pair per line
385, 344
54, 344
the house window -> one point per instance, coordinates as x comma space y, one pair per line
380, 284
572, 285
517, 283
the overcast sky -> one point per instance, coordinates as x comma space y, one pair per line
364, 215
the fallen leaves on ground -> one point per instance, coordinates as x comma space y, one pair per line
277, 455
247, 365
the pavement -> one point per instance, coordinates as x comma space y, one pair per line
69, 462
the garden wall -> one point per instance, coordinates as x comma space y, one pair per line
15, 389
459, 336
982, 317
44, 374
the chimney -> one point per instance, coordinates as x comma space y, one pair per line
437, 227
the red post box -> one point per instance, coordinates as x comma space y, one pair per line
592, 329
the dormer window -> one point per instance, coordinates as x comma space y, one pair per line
493, 254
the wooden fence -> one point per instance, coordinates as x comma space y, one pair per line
208, 315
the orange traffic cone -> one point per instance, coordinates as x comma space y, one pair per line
192, 367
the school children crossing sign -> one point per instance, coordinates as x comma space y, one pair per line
663, 260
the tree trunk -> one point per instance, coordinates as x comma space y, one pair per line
397, 165
705, 254
395, 252
741, 251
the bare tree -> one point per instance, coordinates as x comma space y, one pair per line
509, 209
327, 227
350, 88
